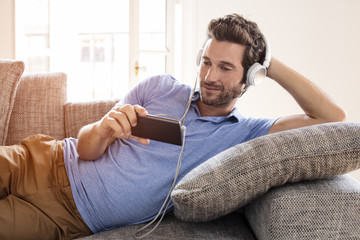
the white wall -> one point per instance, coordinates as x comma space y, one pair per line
6, 29
319, 39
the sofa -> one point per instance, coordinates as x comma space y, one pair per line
290, 185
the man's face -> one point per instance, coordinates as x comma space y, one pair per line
221, 73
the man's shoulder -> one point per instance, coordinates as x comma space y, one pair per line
163, 83
162, 80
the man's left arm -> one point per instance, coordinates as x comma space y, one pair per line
317, 106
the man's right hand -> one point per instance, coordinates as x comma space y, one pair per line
94, 138
118, 122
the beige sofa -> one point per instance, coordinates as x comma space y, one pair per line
327, 208
40, 107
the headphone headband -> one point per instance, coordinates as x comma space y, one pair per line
267, 59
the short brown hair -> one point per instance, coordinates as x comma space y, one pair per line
235, 28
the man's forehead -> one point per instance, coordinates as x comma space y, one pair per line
224, 51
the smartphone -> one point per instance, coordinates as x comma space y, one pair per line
159, 129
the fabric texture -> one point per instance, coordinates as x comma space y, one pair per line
10, 73
232, 226
236, 176
319, 209
35, 194
79, 114
42, 97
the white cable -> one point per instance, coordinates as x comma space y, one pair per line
167, 200
182, 119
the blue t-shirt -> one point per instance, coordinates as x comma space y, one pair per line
129, 182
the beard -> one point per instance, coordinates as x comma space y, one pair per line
223, 96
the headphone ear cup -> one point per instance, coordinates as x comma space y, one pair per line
256, 74
198, 58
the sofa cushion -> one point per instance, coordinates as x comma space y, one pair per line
232, 226
236, 176
10, 73
79, 114
39, 107
319, 209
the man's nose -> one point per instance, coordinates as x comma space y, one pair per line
212, 74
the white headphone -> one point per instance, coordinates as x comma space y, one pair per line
257, 72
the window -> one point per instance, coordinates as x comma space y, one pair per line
104, 46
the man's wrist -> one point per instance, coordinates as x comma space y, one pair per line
276, 70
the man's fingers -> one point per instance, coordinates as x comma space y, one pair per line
126, 117
131, 112
123, 122
143, 141
140, 110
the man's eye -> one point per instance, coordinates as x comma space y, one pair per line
206, 63
225, 69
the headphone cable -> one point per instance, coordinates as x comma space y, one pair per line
167, 201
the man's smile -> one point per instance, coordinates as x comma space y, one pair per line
212, 87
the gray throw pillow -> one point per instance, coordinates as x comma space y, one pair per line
238, 175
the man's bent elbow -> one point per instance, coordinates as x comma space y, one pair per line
339, 116
342, 116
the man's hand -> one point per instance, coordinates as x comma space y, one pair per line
118, 122
94, 138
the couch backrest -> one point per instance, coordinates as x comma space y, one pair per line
80, 114
38, 107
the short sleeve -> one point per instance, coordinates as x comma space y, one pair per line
259, 127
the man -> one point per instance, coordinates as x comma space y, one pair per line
117, 179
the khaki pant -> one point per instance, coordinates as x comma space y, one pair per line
35, 194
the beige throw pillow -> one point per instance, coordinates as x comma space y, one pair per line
39, 107
10, 73
238, 175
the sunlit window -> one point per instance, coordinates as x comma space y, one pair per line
104, 46
152, 39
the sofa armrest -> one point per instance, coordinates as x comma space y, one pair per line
321, 209
79, 114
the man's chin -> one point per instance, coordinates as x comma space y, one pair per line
211, 101
215, 100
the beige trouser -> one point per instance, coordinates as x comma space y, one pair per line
35, 194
